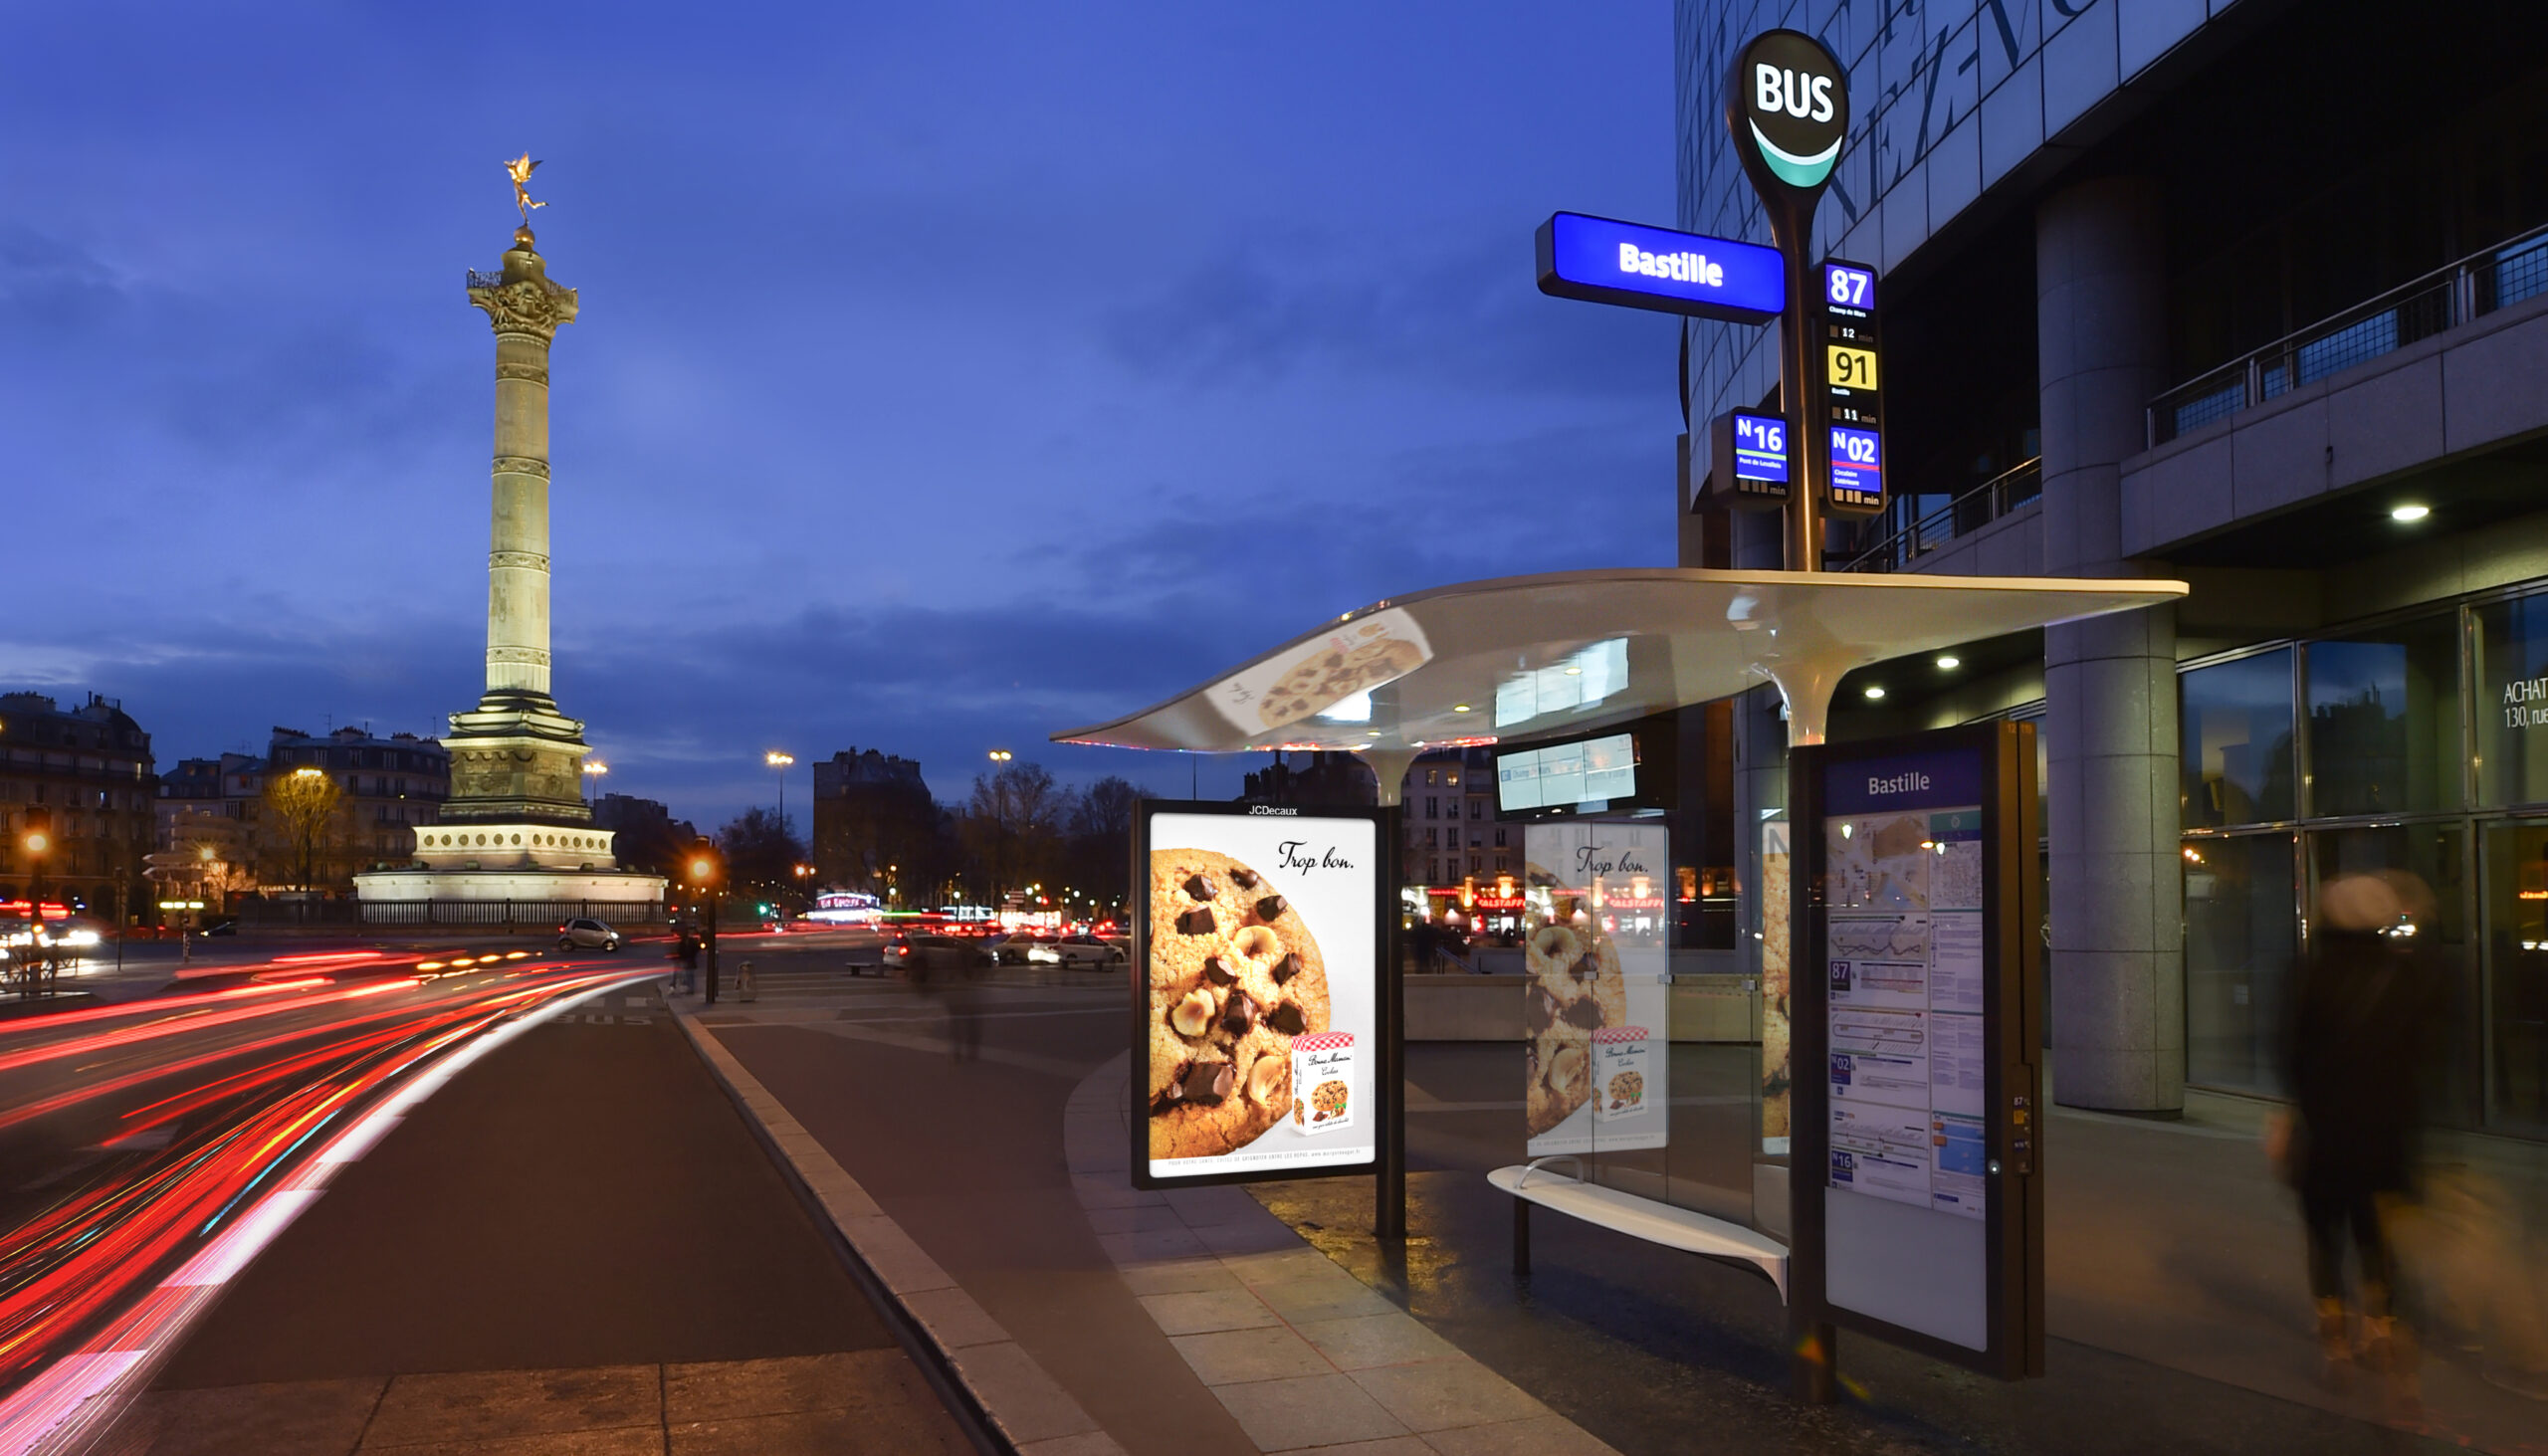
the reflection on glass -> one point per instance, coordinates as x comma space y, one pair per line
1580, 680
2384, 720
2431, 854
2516, 977
2510, 687
2239, 944
2235, 724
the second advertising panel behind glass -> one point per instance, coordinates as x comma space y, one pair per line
1257, 1049
1596, 1050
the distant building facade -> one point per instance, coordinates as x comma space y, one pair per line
389, 786
871, 813
86, 774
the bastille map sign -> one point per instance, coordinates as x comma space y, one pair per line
1602, 261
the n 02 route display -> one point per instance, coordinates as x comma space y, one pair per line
1916, 1004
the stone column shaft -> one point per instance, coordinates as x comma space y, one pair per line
2110, 684
517, 548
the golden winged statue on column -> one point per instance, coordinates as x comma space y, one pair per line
520, 169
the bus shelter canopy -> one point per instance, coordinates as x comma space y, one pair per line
1521, 657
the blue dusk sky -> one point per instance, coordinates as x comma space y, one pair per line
947, 375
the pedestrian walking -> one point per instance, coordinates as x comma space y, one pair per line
2360, 1018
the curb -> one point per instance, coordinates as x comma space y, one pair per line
1007, 1402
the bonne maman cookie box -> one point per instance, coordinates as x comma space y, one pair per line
1323, 1082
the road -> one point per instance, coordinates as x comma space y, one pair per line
152, 1146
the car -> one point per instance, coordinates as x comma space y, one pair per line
1077, 951
586, 934
910, 951
1019, 949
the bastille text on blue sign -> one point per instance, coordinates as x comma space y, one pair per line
1602, 260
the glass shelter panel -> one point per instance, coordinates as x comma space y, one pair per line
2240, 940
2236, 746
2384, 720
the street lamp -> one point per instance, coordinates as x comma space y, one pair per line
780, 761
594, 768
1002, 755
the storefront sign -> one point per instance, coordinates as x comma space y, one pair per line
1602, 261
1918, 1216
1258, 1031
1596, 1009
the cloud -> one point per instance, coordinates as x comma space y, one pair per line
1456, 309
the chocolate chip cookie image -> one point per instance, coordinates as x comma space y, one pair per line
1575, 990
1331, 674
1234, 976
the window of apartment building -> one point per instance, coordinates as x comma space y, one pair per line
1432, 838
1432, 872
1452, 779
1477, 808
1432, 807
1499, 836
1432, 775
1503, 863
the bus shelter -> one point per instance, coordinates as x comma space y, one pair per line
1516, 661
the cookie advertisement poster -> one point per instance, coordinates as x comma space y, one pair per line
1317, 674
1257, 1043
1595, 1054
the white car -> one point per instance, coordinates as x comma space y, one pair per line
1075, 951
586, 934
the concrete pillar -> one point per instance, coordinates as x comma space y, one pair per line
2117, 900
526, 311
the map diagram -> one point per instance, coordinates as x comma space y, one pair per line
1895, 938
1880, 862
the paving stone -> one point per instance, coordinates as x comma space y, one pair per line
645, 1440
1150, 1245
1018, 1395
290, 1418
1336, 1295
952, 1319
1091, 1443
1218, 1206
1439, 1395
1371, 1341
1312, 1410
898, 1429
1178, 1276
486, 1406
729, 1389
1235, 1357
1268, 1236
901, 1264
1550, 1436
1138, 1218
1389, 1446
1202, 1310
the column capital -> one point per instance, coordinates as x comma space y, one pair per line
523, 299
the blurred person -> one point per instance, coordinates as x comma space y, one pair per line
2360, 1022
685, 957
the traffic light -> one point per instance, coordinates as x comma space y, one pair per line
703, 867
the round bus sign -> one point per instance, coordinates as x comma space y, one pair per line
1787, 102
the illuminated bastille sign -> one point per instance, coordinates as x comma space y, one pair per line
1602, 260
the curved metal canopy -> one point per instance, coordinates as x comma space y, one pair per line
1535, 657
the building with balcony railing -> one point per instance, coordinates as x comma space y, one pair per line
2235, 294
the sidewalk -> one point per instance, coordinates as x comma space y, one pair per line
576, 1246
1086, 1318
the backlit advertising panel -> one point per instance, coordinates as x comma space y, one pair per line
1258, 1015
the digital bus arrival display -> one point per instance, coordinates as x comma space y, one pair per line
1857, 465
1760, 450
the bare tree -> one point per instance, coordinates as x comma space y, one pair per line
305, 801
1014, 820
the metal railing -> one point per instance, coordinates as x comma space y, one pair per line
276, 914
2446, 298
1963, 516
479, 280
